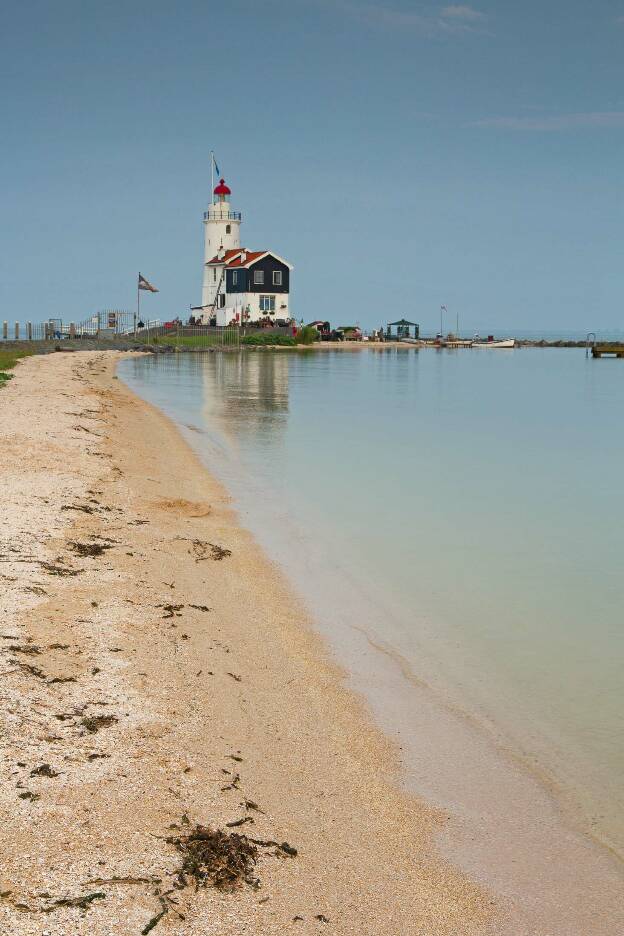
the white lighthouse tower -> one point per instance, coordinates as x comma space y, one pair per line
221, 234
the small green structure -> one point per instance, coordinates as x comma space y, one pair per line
402, 330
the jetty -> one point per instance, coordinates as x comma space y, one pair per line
610, 349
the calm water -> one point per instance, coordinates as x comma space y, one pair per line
463, 509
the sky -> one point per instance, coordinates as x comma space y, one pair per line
400, 155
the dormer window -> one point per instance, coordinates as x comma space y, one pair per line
259, 277
277, 277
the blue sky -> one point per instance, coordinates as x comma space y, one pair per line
401, 155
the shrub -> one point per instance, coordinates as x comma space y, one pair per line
269, 339
307, 335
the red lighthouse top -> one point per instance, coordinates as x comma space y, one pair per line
222, 189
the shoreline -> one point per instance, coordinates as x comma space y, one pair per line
214, 698
496, 795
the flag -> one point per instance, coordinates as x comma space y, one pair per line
217, 170
143, 284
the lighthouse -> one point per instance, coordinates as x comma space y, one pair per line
240, 286
221, 233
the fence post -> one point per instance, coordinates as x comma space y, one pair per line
5, 331
17, 331
72, 330
29, 330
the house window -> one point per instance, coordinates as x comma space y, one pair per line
267, 304
221, 300
214, 274
259, 277
235, 278
277, 277
228, 228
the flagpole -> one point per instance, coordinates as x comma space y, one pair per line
211, 174
137, 316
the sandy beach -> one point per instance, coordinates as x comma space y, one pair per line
157, 675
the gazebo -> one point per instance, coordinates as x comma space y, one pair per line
402, 330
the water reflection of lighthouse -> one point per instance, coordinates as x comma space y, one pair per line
246, 395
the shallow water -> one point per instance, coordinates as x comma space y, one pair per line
461, 510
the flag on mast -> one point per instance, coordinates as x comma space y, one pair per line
143, 284
216, 168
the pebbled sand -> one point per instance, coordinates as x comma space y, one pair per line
245, 689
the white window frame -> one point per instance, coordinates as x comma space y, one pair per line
277, 278
270, 300
258, 277
234, 277
214, 274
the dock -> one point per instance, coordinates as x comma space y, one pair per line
611, 349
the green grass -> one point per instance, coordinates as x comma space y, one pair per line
305, 336
8, 360
188, 341
269, 339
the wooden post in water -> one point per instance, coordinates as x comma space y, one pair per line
29, 330
17, 331
5, 331
72, 330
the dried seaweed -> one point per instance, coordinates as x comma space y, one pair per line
29, 668
89, 549
225, 860
54, 569
171, 610
83, 903
44, 770
202, 550
93, 723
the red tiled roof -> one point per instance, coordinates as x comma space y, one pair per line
232, 258
251, 256
229, 255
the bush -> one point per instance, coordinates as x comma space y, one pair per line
264, 339
307, 335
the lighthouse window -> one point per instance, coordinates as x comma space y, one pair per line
259, 277
267, 304
228, 228
214, 274
277, 277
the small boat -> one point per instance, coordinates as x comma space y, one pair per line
503, 343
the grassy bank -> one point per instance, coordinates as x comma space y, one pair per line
190, 341
8, 360
304, 336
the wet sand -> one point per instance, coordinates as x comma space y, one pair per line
174, 679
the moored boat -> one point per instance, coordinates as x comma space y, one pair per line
503, 343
